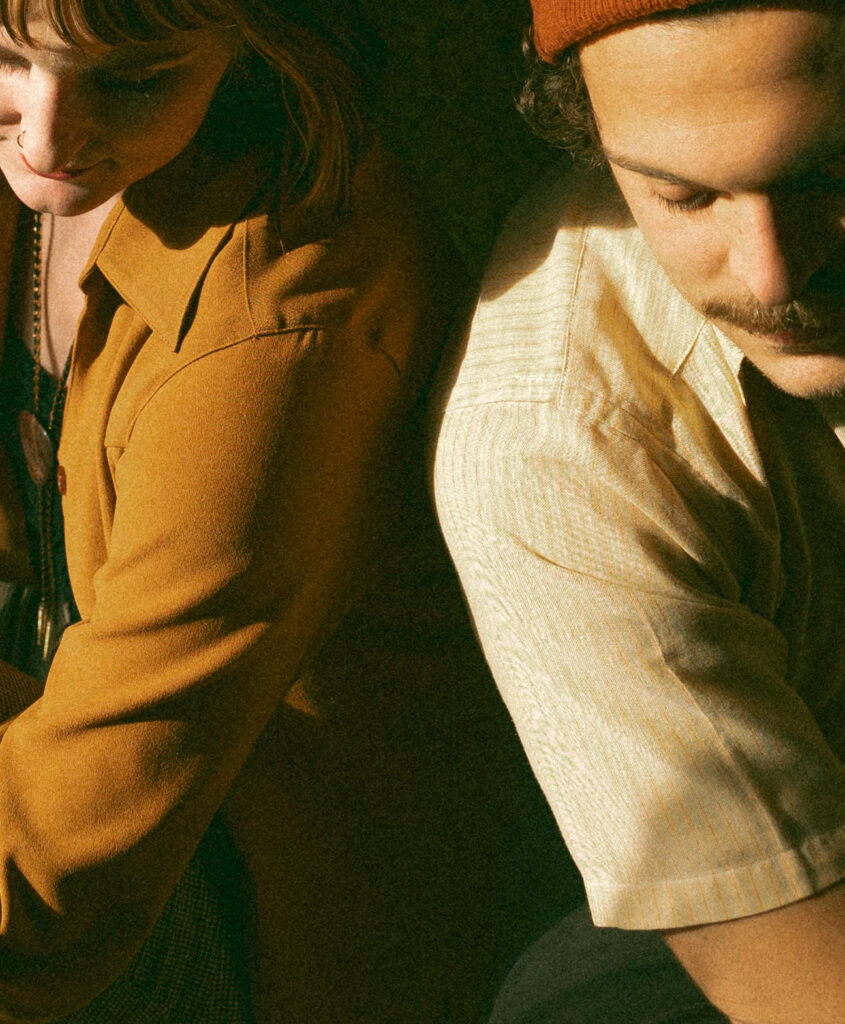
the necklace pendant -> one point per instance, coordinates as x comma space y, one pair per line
47, 644
43, 627
37, 447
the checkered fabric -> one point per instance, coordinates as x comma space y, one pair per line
191, 968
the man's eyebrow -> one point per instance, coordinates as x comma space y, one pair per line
651, 172
805, 163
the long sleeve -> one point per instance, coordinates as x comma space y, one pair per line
226, 502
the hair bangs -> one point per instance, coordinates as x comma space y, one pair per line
112, 22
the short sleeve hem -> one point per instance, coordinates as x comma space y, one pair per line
767, 884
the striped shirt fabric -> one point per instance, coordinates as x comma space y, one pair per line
651, 539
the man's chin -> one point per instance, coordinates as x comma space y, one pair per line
804, 375
803, 368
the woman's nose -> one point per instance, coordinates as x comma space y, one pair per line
56, 120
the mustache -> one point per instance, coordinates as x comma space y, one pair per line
821, 310
754, 318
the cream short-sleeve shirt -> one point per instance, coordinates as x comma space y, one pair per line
652, 543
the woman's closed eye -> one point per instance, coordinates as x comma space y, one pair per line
138, 83
141, 79
129, 81
11, 62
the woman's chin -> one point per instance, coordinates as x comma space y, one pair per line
62, 197
62, 201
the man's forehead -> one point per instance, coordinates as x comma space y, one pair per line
731, 102
561, 24
751, 41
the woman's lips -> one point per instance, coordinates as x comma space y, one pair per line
66, 174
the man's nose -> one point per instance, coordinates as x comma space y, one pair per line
775, 248
56, 117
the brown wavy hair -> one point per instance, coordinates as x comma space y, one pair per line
302, 75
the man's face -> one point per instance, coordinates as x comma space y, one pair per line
726, 135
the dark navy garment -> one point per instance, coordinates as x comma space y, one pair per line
18, 618
579, 974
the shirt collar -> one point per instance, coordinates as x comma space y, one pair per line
161, 236
642, 289
733, 354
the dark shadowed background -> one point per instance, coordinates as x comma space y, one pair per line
453, 69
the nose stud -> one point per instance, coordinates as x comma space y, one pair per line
20, 138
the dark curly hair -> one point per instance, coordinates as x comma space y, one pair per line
556, 105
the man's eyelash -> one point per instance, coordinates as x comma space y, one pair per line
697, 201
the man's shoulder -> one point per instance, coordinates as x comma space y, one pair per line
573, 298
581, 344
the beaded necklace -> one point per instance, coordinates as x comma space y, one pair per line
39, 443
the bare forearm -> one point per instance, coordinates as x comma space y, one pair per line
786, 966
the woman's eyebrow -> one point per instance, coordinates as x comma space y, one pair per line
120, 58
9, 53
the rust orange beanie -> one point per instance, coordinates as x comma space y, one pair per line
560, 23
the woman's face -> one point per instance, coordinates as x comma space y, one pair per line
97, 119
